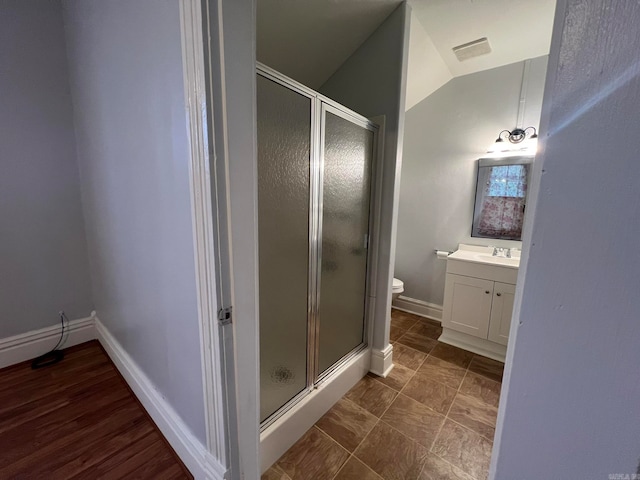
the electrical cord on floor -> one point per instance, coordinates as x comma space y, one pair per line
54, 355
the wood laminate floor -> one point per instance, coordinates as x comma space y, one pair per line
432, 418
78, 420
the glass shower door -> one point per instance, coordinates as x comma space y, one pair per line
315, 161
346, 164
284, 152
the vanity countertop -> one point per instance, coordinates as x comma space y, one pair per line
484, 255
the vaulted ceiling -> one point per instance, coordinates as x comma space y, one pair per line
308, 40
516, 29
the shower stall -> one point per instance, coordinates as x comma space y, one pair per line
315, 172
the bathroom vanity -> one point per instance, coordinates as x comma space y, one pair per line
478, 299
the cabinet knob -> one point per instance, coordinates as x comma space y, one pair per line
487, 292
499, 294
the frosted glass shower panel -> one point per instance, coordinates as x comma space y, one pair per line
284, 132
348, 154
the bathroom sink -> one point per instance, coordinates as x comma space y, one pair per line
513, 261
478, 254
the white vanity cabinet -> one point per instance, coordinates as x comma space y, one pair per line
478, 301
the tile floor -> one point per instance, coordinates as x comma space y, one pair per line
432, 418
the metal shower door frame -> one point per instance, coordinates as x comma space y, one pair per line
320, 105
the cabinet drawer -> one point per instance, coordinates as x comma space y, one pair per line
481, 270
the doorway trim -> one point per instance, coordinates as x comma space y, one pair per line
225, 116
227, 160
216, 464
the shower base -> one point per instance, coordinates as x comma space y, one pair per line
286, 430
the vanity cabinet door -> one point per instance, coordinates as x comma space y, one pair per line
501, 312
467, 304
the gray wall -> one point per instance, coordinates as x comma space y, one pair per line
43, 253
569, 407
129, 107
444, 136
372, 82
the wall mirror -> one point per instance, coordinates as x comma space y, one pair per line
501, 197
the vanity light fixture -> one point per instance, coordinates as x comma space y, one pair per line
517, 135
519, 141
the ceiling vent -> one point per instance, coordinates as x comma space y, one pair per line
472, 49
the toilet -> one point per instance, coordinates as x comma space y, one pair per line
396, 288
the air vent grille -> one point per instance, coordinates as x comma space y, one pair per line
472, 49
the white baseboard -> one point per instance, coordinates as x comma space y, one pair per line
26, 346
190, 450
382, 361
474, 344
288, 429
418, 307
30, 345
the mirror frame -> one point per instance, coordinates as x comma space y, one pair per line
499, 162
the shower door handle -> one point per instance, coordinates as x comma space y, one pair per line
366, 241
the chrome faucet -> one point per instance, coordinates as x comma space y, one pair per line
501, 252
